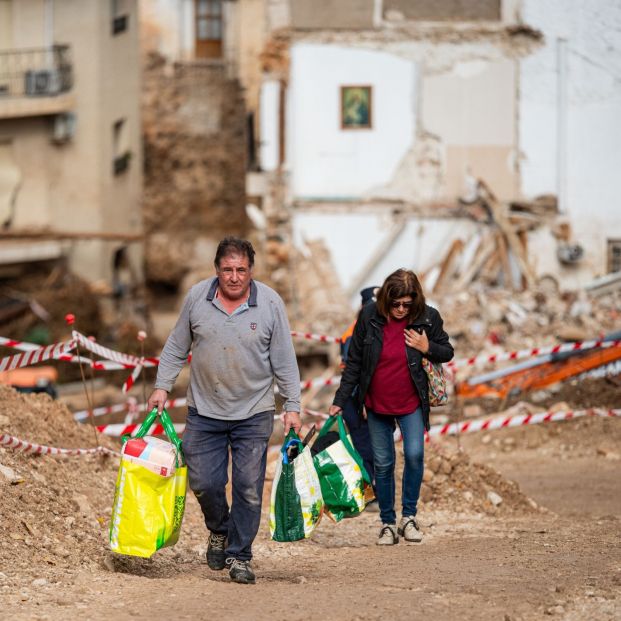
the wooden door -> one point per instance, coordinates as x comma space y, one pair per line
208, 28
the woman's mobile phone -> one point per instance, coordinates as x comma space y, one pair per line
418, 329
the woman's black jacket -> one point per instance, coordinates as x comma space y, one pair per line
366, 347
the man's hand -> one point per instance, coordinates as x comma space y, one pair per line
334, 410
292, 420
157, 400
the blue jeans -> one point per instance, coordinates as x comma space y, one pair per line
206, 443
359, 432
381, 428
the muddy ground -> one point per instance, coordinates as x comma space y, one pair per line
551, 548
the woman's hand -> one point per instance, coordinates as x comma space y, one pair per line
334, 410
416, 340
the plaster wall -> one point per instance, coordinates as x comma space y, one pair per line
354, 236
472, 109
326, 160
592, 132
434, 122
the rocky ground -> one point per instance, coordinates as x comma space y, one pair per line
519, 524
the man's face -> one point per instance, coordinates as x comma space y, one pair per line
234, 274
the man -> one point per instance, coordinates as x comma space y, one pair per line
238, 332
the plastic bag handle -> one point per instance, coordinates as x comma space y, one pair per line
168, 426
291, 437
343, 436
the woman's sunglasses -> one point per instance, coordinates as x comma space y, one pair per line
405, 305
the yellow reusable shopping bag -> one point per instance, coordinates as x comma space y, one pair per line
148, 508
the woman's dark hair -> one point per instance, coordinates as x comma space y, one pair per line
234, 245
399, 285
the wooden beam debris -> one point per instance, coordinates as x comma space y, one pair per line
496, 253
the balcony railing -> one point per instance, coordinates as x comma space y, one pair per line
37, 72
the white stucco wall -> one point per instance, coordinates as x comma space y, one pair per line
353, 238
325, 160
593, 130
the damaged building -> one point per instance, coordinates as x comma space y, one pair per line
70, 136
449, 137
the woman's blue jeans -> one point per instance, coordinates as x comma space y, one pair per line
381, 428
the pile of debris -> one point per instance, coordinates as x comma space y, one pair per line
497, 253
452, 482
484, 320
33, 308
53, 511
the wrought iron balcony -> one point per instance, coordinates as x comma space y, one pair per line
35, 81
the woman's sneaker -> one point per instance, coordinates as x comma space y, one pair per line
215, 551
409, 529
388, 535
240, 571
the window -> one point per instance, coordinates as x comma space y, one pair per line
209, 28
120, 16
614, 255
120, 147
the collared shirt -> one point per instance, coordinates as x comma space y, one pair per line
235, 357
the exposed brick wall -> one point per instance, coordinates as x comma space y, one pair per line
195, 161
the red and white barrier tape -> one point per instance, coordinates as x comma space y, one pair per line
115, 360
472, 426
533, 352
131, 380
122, 429
20, 345
104, 352
316, 337
499, 422
335, 380
98, 365
40, 449
122, 407
27, 358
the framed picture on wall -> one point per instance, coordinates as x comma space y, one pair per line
356, 107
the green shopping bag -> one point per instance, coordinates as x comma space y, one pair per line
149, 503
296, 505
342, 475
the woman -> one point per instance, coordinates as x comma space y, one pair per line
390, 339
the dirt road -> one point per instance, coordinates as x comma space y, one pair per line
564, 562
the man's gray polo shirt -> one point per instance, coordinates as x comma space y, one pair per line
236, 357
